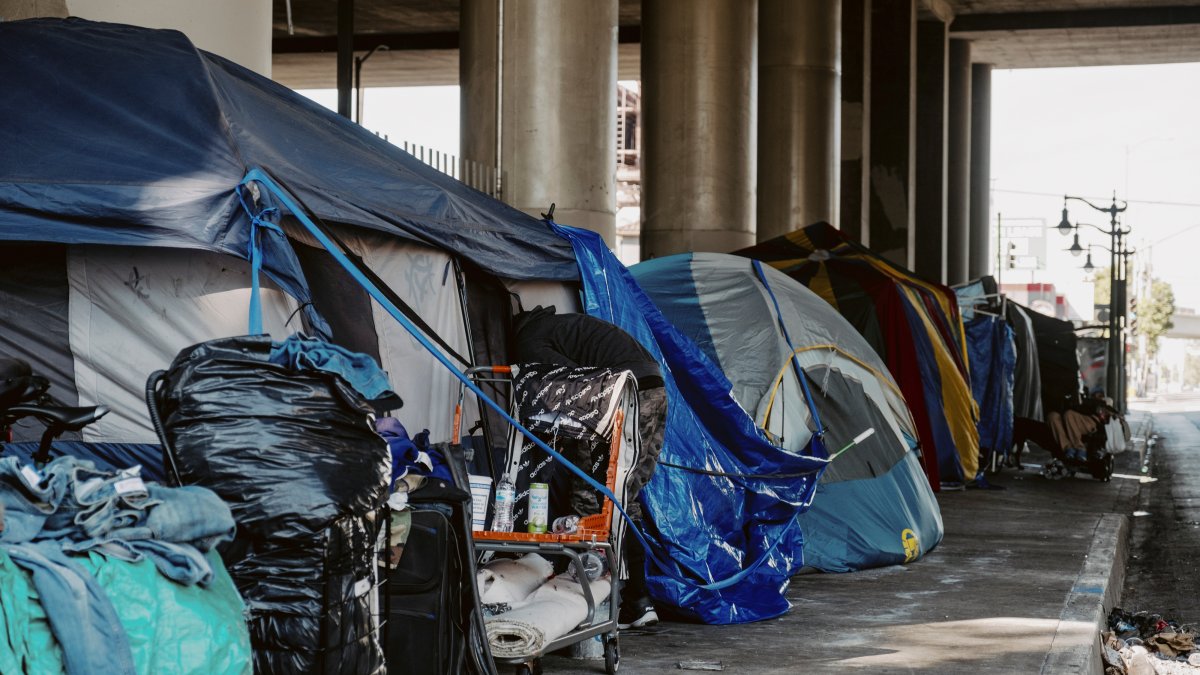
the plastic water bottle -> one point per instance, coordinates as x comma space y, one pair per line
565, 525
502, 513
593, 566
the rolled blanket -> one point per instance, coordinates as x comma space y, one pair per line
512, 580
549, 613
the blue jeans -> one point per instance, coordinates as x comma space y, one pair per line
81, 617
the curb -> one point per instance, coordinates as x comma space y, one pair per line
1076, 645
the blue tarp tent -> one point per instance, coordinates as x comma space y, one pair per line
120, 215
874, 506
120, 135
725, 501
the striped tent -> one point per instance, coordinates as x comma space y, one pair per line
913, 324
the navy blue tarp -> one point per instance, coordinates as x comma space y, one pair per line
993, 358
119, 135
711, 527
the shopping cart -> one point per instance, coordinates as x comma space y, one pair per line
597, 533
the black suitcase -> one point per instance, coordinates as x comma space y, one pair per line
424, 605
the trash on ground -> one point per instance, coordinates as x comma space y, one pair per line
701, 665
1142, 643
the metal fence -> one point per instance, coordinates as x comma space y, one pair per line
480, 176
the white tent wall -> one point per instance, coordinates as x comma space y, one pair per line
132, 309
424, 277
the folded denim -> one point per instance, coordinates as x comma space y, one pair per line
72, 507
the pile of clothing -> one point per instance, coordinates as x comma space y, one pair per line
527, 606
1138, 643
68, 525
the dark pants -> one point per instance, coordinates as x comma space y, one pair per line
652, 423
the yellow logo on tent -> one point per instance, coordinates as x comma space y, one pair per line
912, 548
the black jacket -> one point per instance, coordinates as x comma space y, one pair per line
580, 340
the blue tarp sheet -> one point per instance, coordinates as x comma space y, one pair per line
993, 358
130, 136
711, 527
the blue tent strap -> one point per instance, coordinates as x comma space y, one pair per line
258, 220
259, 176
795, 359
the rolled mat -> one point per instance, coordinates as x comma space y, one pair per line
512, 581
549, 613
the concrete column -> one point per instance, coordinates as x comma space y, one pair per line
558, 100
958, 164
930, 189
239, 30
856, 117
893, 129
479, 86
981, 170
699, 81
15, 10
799, 73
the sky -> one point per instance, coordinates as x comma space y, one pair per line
426, 116
1078, 131
1088, 132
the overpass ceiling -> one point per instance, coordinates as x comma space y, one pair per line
423, 36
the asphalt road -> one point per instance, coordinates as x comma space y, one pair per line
1163, 572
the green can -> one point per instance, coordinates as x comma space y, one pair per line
539, 508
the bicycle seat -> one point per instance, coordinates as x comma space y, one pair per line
67, 419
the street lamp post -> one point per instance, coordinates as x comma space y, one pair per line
1115, 366
358, 89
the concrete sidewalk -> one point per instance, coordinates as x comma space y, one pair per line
1018, 585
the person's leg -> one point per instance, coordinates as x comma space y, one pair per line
636, 608
652, 423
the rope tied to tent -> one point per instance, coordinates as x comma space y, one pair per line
264, 218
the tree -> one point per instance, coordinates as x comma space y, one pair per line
1154, 314
1103, 286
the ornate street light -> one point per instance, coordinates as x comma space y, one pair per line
1064, 225
1116, 347
1076, 249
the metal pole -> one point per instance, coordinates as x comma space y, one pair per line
1112, 368
358, 90
345, 54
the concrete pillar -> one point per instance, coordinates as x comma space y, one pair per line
981, 170
893, 129
558, 100
856, 117
958, 164
799, 73
930, 190
239, 30
479, 85
15, 10
699, 81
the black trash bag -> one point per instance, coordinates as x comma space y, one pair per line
296, 457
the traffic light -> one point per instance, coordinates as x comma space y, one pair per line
1012, 256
